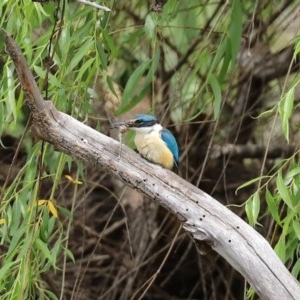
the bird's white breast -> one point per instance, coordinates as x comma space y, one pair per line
152, 147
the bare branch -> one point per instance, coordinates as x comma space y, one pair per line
250, 151
204, 217
95, 5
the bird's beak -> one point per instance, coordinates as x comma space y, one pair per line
118, 124
131, 123
123, 126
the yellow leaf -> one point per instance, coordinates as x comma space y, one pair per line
52, 209
74, 181
69, 178
41, 202
2, 221
78, 182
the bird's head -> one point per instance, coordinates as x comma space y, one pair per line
140, 123
144, 124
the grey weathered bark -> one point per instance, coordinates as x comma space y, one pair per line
204, 217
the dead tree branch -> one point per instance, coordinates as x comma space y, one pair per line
201, 215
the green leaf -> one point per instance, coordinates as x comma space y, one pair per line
296, 269
154, 65
102, 55
50, 227
1, 120
283, 191
110, 84
150, 27
69, 254
171, 9
253, 208
85, 66
220, 53
56, 248
64, 211
16, 217
213, 81
285, 110
10, 100
134, 101
256, 206
6, 267
45, 251
79, 54
50, 295
236, 28
16, 240
271, 201
296, 227
280, 248
297, 48
249, 212
225, 64
130, 98
291, 174
109, 42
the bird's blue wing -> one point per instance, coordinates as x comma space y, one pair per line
170, 140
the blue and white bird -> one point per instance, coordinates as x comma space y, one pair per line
153, 142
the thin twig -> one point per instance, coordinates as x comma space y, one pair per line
95, 5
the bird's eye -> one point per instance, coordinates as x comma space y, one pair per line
138, 121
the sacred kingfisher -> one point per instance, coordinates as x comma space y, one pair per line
153, 142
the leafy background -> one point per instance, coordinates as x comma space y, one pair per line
222, 75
